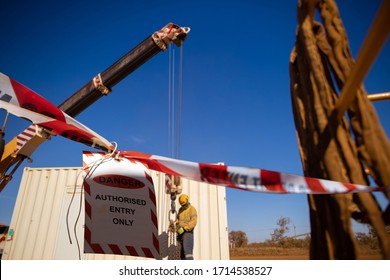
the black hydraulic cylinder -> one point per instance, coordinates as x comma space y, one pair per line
88, 94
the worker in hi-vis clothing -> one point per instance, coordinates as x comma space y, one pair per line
186, 222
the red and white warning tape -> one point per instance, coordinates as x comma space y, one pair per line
21, 101
244, 178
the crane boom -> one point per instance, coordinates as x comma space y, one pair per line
102, 83
23, 145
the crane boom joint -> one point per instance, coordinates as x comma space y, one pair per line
170, 33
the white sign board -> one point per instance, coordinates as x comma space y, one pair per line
120, 207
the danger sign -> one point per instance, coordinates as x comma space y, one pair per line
120, 207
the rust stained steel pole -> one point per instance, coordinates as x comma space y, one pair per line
101, 85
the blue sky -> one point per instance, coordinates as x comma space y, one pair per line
236, 86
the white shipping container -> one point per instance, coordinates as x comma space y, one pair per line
48, 219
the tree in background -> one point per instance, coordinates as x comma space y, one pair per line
238, 239
279, 233
366, 240
370, 239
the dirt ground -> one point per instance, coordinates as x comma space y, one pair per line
290, 254
294, 257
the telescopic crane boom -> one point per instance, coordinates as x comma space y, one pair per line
23, 145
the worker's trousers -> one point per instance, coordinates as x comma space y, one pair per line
187, 245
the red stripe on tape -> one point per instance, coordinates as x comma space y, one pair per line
151, 163
41, 105
214, 174
350, 187
155, 165
315, 185
271, 180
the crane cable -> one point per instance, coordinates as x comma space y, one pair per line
179, 104
174, 131
174, 104
168, 179
171, 104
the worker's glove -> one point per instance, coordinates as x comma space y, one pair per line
180, 230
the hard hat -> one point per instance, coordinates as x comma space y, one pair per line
183, 199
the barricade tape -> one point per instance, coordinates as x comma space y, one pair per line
22, 102
244, 178
15, 98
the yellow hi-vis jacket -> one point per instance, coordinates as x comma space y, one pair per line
187, 217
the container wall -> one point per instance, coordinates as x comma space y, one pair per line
48, 218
